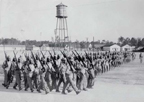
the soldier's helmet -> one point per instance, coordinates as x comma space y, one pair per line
69, 58
83, 58
19, 60
58, 57
37, 57
75, 58
14, 59
48, 60
54, 57
63, 60
8, 58
31, 61
42, 58
44, 62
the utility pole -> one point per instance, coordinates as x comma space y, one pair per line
93, 49
87, 42
93, 44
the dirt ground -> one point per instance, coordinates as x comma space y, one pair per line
122, 84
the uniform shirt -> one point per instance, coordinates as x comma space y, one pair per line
65, 68
20, 65
13, 65
32, 68
9, 65
51, 67
58, 62
37, 69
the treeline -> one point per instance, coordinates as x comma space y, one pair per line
13, 41
131, 41
79, 44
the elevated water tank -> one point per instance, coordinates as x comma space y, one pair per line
61, 11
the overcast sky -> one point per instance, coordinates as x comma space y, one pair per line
102, 19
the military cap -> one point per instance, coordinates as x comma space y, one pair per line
63, 60
8, 58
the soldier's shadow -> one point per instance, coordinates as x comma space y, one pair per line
11, 90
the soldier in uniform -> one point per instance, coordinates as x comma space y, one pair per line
48, 76
29, 73
68, 77
43, 83
17, 67
83, 79
6, 67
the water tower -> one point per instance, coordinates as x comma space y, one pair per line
61, 31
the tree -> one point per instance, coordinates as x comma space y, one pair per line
133, 41
121, 40
126, 41
103, 41
142, 42
139, 42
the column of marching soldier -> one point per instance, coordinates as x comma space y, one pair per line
77, 71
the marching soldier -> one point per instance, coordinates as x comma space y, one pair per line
17, 67
68, 77
43, 83
77, 72
6, 67
29, 73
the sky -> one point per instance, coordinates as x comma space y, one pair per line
101, 19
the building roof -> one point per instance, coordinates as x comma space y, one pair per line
109, 45
98, 45
12, 45
61, 4
127, 45
44, 45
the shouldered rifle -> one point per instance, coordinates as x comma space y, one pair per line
35, 64
5, 64
17, 66
42, 54
80, 59
46, 62
69, 62
87, 56
5, 55
54, 62
27, 59
43, 69
75, 55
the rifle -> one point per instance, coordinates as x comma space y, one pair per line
54, 62
87, 56
42, 54
17, 66
74, 54
80, 59
44, 57
5, 65
5, 55
70, 64
43, 69
35, 64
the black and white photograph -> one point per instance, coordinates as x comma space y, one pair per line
71, 50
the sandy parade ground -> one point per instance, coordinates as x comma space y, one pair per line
122, 84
